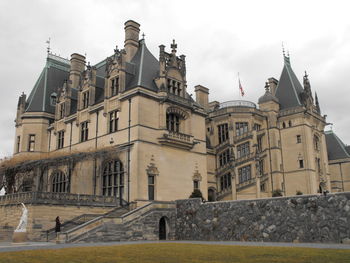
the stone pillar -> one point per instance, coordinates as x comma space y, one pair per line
258, 187
233, 187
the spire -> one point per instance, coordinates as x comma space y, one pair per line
318, 109
288, 88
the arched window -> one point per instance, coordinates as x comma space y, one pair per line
113, 179
173, 122
283, 125
59, 182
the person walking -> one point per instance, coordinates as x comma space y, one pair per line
57, 227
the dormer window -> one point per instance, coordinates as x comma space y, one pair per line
53, 99
174, 87
114, 86
85, 99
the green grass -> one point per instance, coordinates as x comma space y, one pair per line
174, 252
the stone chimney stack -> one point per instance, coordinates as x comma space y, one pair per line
131, 43
77, 66
273, 85
202, 96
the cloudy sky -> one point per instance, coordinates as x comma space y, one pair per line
219, 39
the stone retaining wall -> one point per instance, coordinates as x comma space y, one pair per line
311, 218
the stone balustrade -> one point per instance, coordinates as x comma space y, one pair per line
59, 198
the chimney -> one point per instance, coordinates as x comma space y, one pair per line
77, 66
202, 95
131, 43
273, 85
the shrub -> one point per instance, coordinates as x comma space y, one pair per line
299, 192
196, 194
277, 192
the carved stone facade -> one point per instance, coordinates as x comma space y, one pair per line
127, 127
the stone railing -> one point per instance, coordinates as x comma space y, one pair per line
246, 183
225, 167
245, 158
179, 136
246, 135
177, 139
179, 99
59, 199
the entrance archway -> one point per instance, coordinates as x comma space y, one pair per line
162, 228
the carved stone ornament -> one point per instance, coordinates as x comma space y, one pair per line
196, 175
152, 168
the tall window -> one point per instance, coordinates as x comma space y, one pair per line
223, 132
86, 96
243, 149
259, 144
60, 140
257, 127
61, 110
31, 143
114, 86
225, 182
18, 144
113, 121
174, 87
241, 128
261, 167
150, 187
59, 182
195, 184
298, 138
224, 157
172, 122
301, 163
113, 179
84, 131
244, 174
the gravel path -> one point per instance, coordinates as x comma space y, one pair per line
4, 247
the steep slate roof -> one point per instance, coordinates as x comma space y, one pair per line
53, 75
289, 88
146, 68
335, 147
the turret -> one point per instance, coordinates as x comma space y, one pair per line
77, 66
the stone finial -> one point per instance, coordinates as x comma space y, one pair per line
173, 47
267, 86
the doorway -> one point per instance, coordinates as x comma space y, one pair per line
162, 229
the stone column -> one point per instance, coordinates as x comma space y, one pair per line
233, 187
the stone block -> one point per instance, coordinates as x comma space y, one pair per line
19, 237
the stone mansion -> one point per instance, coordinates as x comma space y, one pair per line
127, 128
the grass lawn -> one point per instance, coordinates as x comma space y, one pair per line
172, 252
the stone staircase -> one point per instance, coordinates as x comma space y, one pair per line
121, 224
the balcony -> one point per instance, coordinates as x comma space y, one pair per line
245, 158
227, 166
179, 100
177, 139
244, 136
241, 186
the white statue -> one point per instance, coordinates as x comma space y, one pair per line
22, 226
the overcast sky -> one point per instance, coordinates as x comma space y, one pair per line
219, 39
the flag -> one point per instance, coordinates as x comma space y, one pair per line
240, 87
